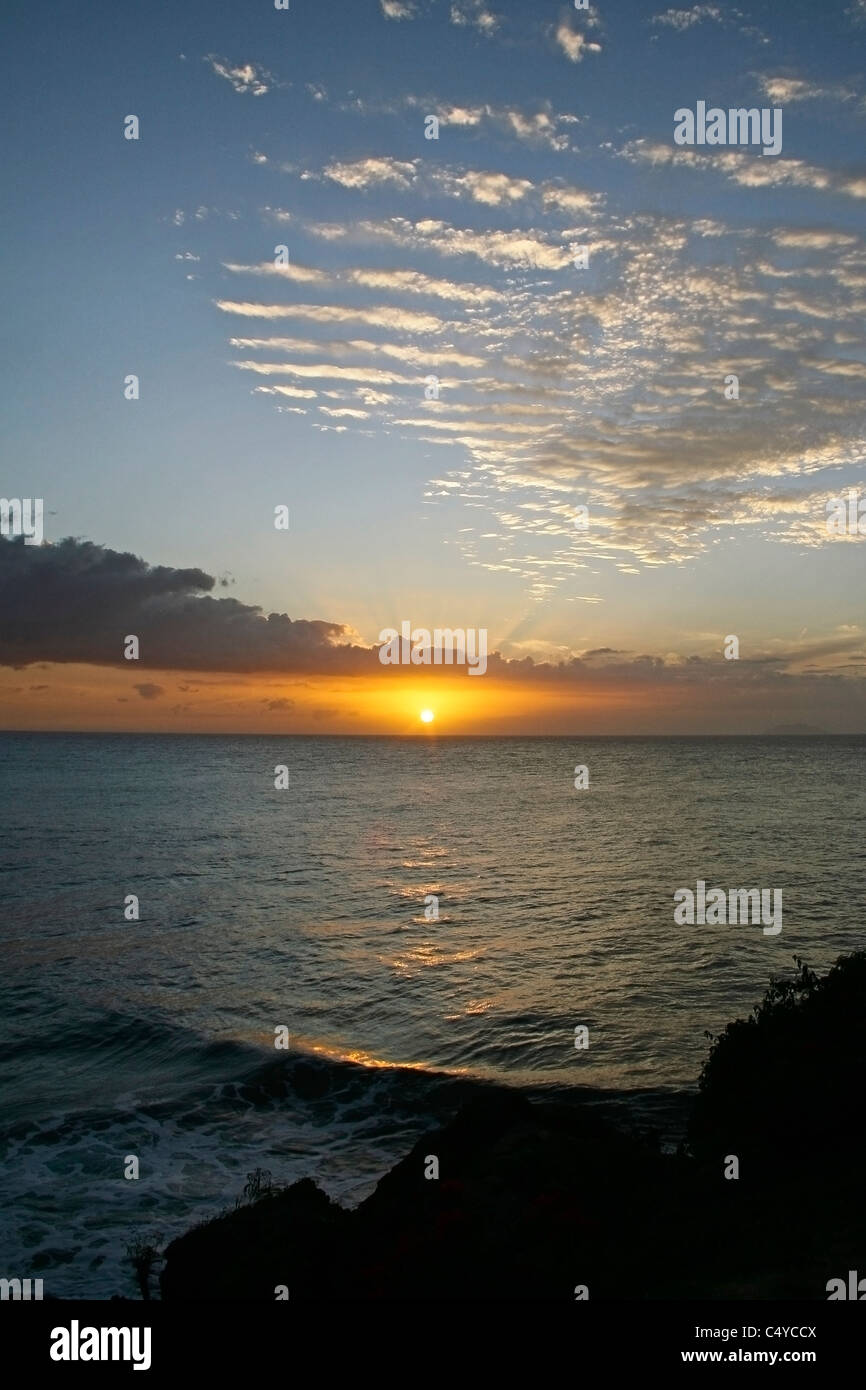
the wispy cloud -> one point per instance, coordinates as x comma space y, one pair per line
299, 274
369, 173
476, 14
370, 376
399, 9
682, 21
489, 187
425, 357
394, 317
244, 77
502, 248
687, 19
788, 90
543, 126
748, 170
413, 282
417, 283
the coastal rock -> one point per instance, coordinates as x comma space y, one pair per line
290, 1237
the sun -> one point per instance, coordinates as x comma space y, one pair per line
426, 716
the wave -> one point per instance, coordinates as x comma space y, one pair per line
202, 1113
160, 1068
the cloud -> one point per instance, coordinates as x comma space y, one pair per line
540, 127
470, 427
387, 317
148, 691
76, 602
569, 200
418, 356
492, 189
750, 171
813, 238
399, 9
367, 173
370, 376
517, 248
573, 43
686, 19
788, 90
607, 384
397, 281
300, 274
245, 77
682, 20
476, 14
415, 282
295, 391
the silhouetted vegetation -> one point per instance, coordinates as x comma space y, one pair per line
258, 1186
787, 1084
143, 1254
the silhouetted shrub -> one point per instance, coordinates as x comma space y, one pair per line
787, 1084
143, 1254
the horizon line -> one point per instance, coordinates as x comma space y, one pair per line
427, 737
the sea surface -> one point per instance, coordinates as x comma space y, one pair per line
304, 909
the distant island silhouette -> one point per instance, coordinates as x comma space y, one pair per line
795, 729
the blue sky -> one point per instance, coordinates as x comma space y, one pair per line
559, 386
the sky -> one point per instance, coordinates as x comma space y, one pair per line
486, 374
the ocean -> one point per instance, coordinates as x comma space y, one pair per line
310, 913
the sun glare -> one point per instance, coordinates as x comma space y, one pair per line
426, 716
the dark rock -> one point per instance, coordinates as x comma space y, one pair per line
290, 1237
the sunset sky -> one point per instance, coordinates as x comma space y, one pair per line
409, 258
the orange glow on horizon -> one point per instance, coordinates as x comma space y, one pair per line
118, 699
